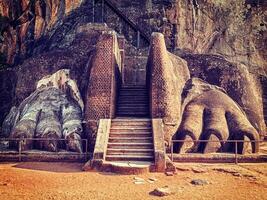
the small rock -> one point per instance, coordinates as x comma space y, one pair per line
237, 174
3, 184
139, 182
180, 168
152, 179
138, 179
199, 170
161, 192
225, 170
169, 173
199, 182
170, 166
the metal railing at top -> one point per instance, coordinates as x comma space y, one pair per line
18, 142
235, 142
110, 4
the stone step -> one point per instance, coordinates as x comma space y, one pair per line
134, 91
138, 92
130, 130
130, 145
129, 158
130, 153
133, 98
140, 99
132, 106
141, 94
132, 110
133, 101
130, 139
132, 124
133, 114
130, 134
112, 150
131, 120
133, 87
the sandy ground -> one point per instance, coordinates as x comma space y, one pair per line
33, 180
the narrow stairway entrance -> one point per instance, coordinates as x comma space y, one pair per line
133, 102
130, 136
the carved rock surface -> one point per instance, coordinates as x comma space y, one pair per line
50, 112
209, 114
203, 111
235, 79
28, 21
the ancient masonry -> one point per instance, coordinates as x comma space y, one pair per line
129, 101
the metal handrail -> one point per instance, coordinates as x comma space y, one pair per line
221, 141
20, 151
134, 26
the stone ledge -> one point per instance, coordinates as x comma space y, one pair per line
125, 168
159, 146
219, 158
102, 139
44, 156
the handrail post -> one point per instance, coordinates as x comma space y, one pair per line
236, 161
172, 151
86, 149
138, 39
20, 150
102, 10
93, 9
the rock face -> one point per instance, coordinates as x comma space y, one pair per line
75, 59
196, 109
26, 24
75, 70
235, 30
50, 112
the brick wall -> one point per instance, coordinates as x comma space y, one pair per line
104, 80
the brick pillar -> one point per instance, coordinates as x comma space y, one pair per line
166, 76
104, 79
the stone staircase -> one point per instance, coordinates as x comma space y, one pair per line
133, 102
130, 139
132, 143
130, 136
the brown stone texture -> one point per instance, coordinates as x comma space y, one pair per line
241, 85
209, 114
237, 32
78, 56
7, 91
101, 94
195, 108
167, 75
28, 23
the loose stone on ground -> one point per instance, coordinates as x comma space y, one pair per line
164, 191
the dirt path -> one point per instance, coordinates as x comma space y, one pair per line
66, 181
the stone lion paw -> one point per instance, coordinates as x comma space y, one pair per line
210, 114
50, 118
